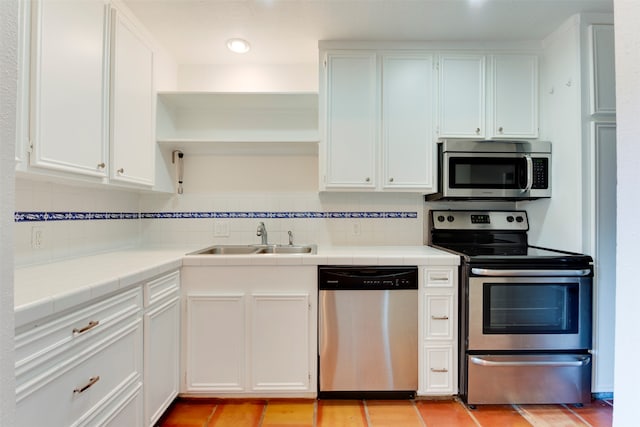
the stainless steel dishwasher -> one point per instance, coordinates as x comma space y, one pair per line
368, 332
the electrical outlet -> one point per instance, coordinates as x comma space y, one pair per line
37, 237
221, 229
355, 228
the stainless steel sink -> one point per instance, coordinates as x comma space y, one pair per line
256, 249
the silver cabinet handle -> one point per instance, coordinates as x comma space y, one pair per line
92, 324
477, 131
91, 382
445, 317
527, 273
500, 129
120, 171
390, 179
368, 179
439, 370
102, 165
580, 361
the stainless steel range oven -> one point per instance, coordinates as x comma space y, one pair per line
525, 311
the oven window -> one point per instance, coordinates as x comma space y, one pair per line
530, 308
483, 172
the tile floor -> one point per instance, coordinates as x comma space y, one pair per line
378, 413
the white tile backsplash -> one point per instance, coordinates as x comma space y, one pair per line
323, 231
71, 238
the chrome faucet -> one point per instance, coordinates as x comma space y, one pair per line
262, 232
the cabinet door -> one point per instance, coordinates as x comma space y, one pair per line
515, 96
132, 149
162, 357
462, 96
280, 358
603, 73
407, 129
351, 121
68, 112
215, 336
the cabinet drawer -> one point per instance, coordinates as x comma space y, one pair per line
440, 278
438, 317
80, 382
42, 341
438, 377
161, 288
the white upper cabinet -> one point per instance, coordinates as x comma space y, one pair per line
407, 121
488, 96
603, 73
69, 72
462, 96
515, 96
132, 138
378, 113
91, 100
351, 117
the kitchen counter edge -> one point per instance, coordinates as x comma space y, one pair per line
48, 289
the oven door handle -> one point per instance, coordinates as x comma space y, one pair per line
536, 273
578, 362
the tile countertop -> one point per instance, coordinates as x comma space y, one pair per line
46, 289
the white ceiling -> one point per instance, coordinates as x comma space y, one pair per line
287, 31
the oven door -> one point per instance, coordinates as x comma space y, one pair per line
495, 175
510, 312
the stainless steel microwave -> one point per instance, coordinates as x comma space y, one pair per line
486, 170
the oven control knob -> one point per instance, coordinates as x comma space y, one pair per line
450, 218
440, 218
509, 218
519, 219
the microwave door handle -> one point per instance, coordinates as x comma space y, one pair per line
527, 188
529, 273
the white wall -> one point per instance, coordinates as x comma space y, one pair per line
8, 94
248, 78
627, 374
557, 222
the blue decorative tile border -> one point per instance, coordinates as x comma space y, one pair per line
90, 216
72, 216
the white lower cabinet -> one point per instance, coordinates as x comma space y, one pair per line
280, 341
72, 371
161, 345
250, 331
438, 301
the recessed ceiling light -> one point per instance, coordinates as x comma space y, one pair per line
238, 45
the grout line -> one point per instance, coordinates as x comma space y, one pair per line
577, 415
315, 413
366, 413
215, 408
528, 417
469, 411
415, 407
264, 412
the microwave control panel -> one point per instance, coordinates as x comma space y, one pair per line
540, 173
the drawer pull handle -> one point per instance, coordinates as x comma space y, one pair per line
439, 279
92, 324
439, 370
91, 382
445, 317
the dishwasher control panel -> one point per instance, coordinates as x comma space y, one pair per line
367, 277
